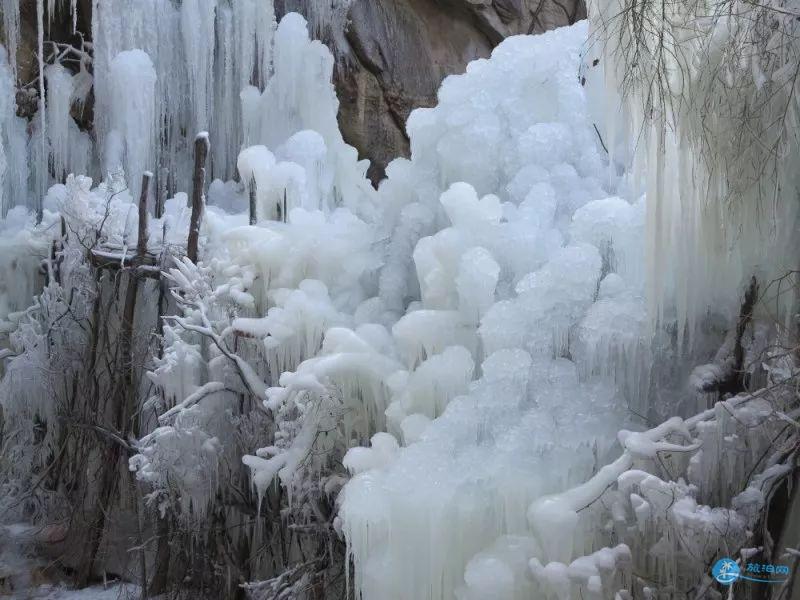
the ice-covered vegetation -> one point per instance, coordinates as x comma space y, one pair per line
229, 362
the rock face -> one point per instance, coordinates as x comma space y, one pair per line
391, 54
395, 53
399, 52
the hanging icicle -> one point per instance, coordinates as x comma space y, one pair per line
42, 175
11, 25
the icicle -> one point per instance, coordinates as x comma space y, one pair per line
60, 87
151, 26
714, 218
197, 28
133, 80
225, 131
5, 201
326, 18
51, 13
42, 104
13, 143
11, 26
255, 24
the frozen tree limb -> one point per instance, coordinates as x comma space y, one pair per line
727, 373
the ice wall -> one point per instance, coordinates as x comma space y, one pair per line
475, 310
204, 54
14, 138
130, 143
11, 26
474, 333
202, 83
299, 97
722, 190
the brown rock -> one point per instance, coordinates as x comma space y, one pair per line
395, 54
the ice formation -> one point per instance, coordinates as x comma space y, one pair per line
11, 25
13, 150
208, 59
509, 280
130, 142
453, 357
714, 217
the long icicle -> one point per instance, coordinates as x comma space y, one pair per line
11, 27
42, 100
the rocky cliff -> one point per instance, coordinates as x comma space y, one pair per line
395, 53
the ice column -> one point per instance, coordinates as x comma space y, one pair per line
60, 87
197, 29
11, 27
131, 142
14, 143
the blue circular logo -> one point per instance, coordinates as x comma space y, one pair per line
726, 571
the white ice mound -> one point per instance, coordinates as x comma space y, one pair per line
508, 273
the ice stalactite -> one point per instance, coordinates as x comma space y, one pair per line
455, 352
49, 149
69, 149
14, 146
254, 26
60, 86
197, 31
130, 142
227, 48
225, 58
4, 172
298, 97
21, 247
244, 46
225, 133
326, 18
721, 193
42, 175
153, 27
11, 26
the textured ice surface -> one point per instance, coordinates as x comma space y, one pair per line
130, 144
463, 341
546, 275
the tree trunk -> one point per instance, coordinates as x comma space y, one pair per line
198, 195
